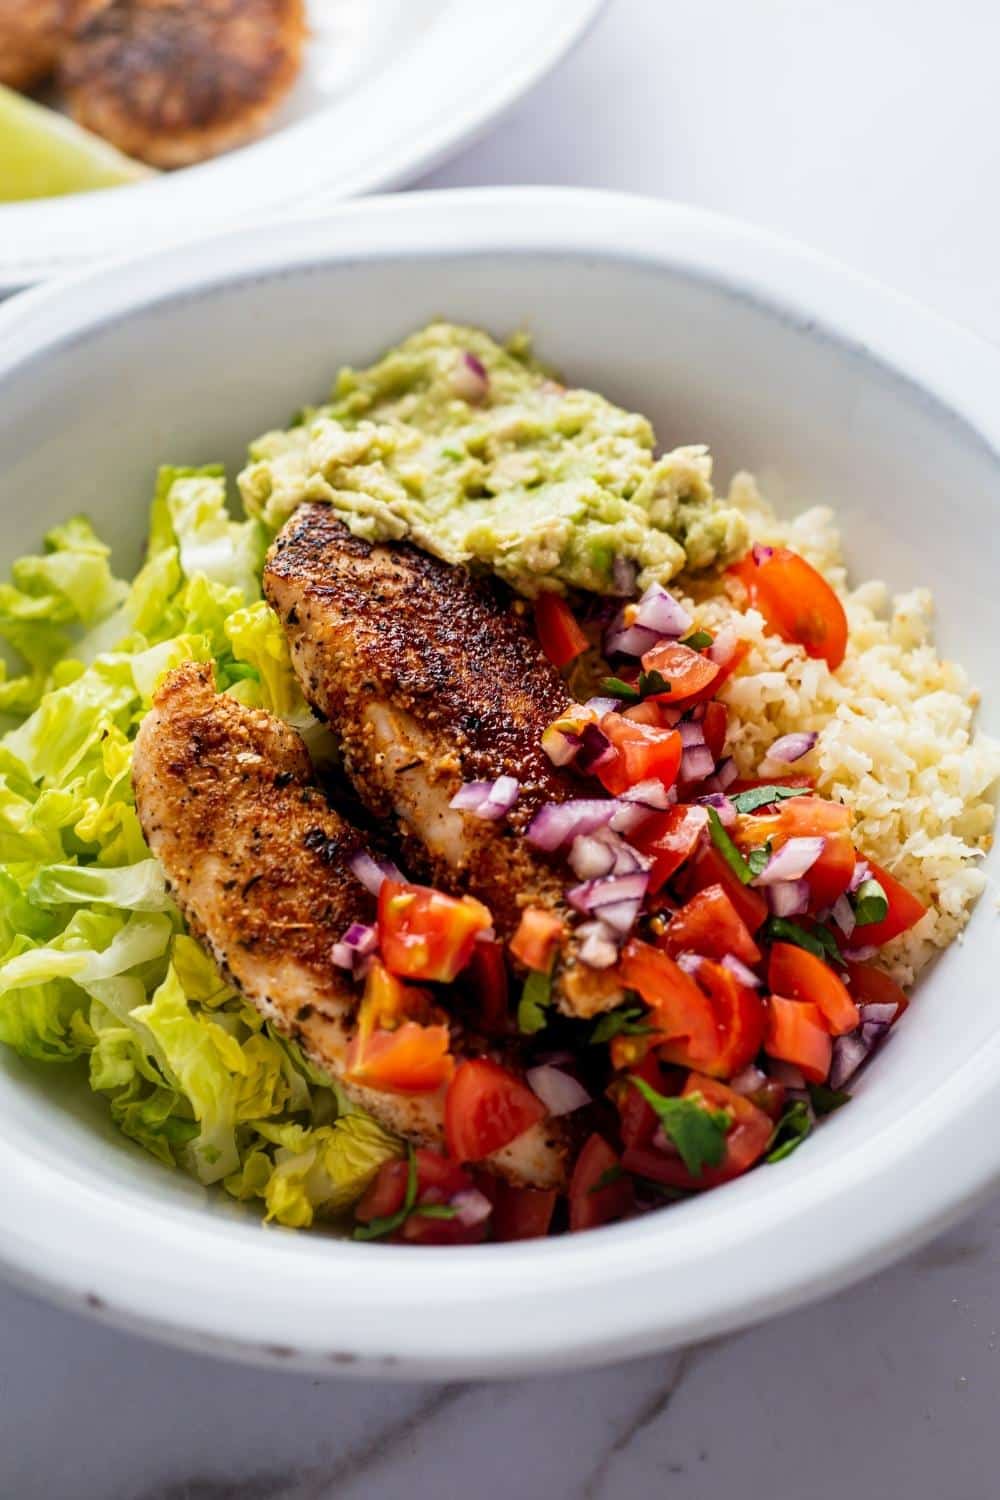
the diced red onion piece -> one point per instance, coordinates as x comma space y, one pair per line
843, 915
792, 860
742, 973
849, 1052
722, 648
662, 1142
689, 962
861, 955
626, 638
749, 1081
558, 822
658, 610
696, 763
599, 945
862, 871
591, 857
883, 1012
726, 772
372, 872
639, 802
487, 799
362, 938
560, 1092
788, 898
723, 806
602, 706
616, 899
792, 747
761, 553
595, 749
785, 1073
561, 746
471, 1207
342, 956
623, 575
470, 380
691, 734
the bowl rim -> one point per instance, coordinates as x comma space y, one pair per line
531, 1306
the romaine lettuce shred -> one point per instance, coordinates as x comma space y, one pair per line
96, 969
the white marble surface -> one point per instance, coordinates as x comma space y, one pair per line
870, 128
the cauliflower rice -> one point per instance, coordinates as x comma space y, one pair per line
895, 722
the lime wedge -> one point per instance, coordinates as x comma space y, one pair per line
43, 154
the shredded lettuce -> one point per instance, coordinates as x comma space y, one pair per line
96, 969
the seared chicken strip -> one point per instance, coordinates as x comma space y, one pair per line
257, 861
429, 678
32, 35
175, 81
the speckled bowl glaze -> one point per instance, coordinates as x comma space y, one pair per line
833, 390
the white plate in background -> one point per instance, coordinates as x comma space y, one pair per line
388, 88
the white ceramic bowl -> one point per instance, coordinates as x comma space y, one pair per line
833, 390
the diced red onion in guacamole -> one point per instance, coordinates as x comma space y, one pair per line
470, 381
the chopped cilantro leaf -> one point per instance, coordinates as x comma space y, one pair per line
820, 942
758, 858
734, 859
698, 641
452, 453
435, 1211
619, 689
791, 1130
870, 903
651, 683
607, 1177
763, 796
825, 1099
698, 1133
378, 1228
535, 999
626, 1022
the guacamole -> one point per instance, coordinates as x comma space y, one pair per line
477, 455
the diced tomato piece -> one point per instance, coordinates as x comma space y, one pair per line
559, 635
794, 972
807, 817
485, 981
746, 1141
669, 839
713, 727
797, 602
637, 1120
871, 986
647, 712
739, 1018
412, 1059
796, 1032
709, 924
521, 1213
709, 868
590, 1203
642, 753
388, 1001
904, 912
725, 672
538, 935
770, 1097
688, 672
486, 1107
682, 1014
424, 934
438, 1180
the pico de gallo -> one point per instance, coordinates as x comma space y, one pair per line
736, 919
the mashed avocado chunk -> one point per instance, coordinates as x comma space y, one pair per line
474, 453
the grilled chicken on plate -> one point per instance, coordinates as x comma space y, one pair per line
432, 679
260, 865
